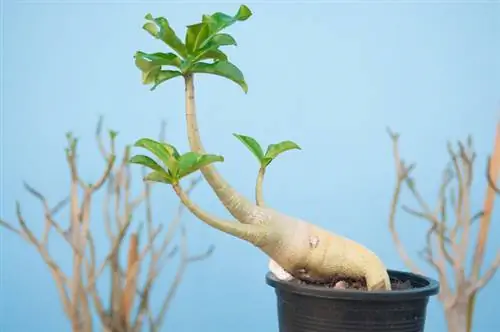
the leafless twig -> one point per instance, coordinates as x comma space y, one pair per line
79, 294
447, 242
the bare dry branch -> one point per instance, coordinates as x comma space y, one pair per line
131, 277
79, 294
185, 261
447, 243
489, 177
445, 237
487, 276
158, 260
402, 174
91, 289
11, 228
163, 130
100, 143
493, 173
49, 219
59, 277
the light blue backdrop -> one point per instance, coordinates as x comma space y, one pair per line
329, 76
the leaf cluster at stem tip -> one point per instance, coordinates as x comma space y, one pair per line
172, 166
273, 150
199, 52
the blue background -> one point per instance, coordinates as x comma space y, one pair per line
330, 76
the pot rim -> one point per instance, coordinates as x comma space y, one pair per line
426, 287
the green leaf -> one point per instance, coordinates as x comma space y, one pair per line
190, 162
163, 76
171, 150
219, 21
273, 150
149, 77
196, 34
208, 159
149, 70
211, 48
146, 161
252, 145
148, 61
243, 13
113, 134
151, 27
160, 28
143, 64
221, 68
215, 55
158, 149
159, 177
187, 162
221, 39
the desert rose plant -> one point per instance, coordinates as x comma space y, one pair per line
127, 306
297, 249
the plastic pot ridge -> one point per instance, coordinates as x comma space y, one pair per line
309, 308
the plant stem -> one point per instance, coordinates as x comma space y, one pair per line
456, 317
259, 197
256, 234
494, 171
129, 290
292, 243
239, 207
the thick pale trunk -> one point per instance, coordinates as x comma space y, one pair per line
302, 249
310, 253
239, 207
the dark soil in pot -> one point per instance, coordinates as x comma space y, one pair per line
344, 305
340, 282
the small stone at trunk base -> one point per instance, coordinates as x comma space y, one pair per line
341, 285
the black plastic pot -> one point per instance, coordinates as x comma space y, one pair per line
309, 308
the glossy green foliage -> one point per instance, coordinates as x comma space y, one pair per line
199, 52
172, 166
273, 150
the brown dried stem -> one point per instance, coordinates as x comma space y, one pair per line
78, 293
492, 174
447, 243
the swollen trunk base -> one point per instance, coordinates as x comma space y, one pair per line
309, 308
